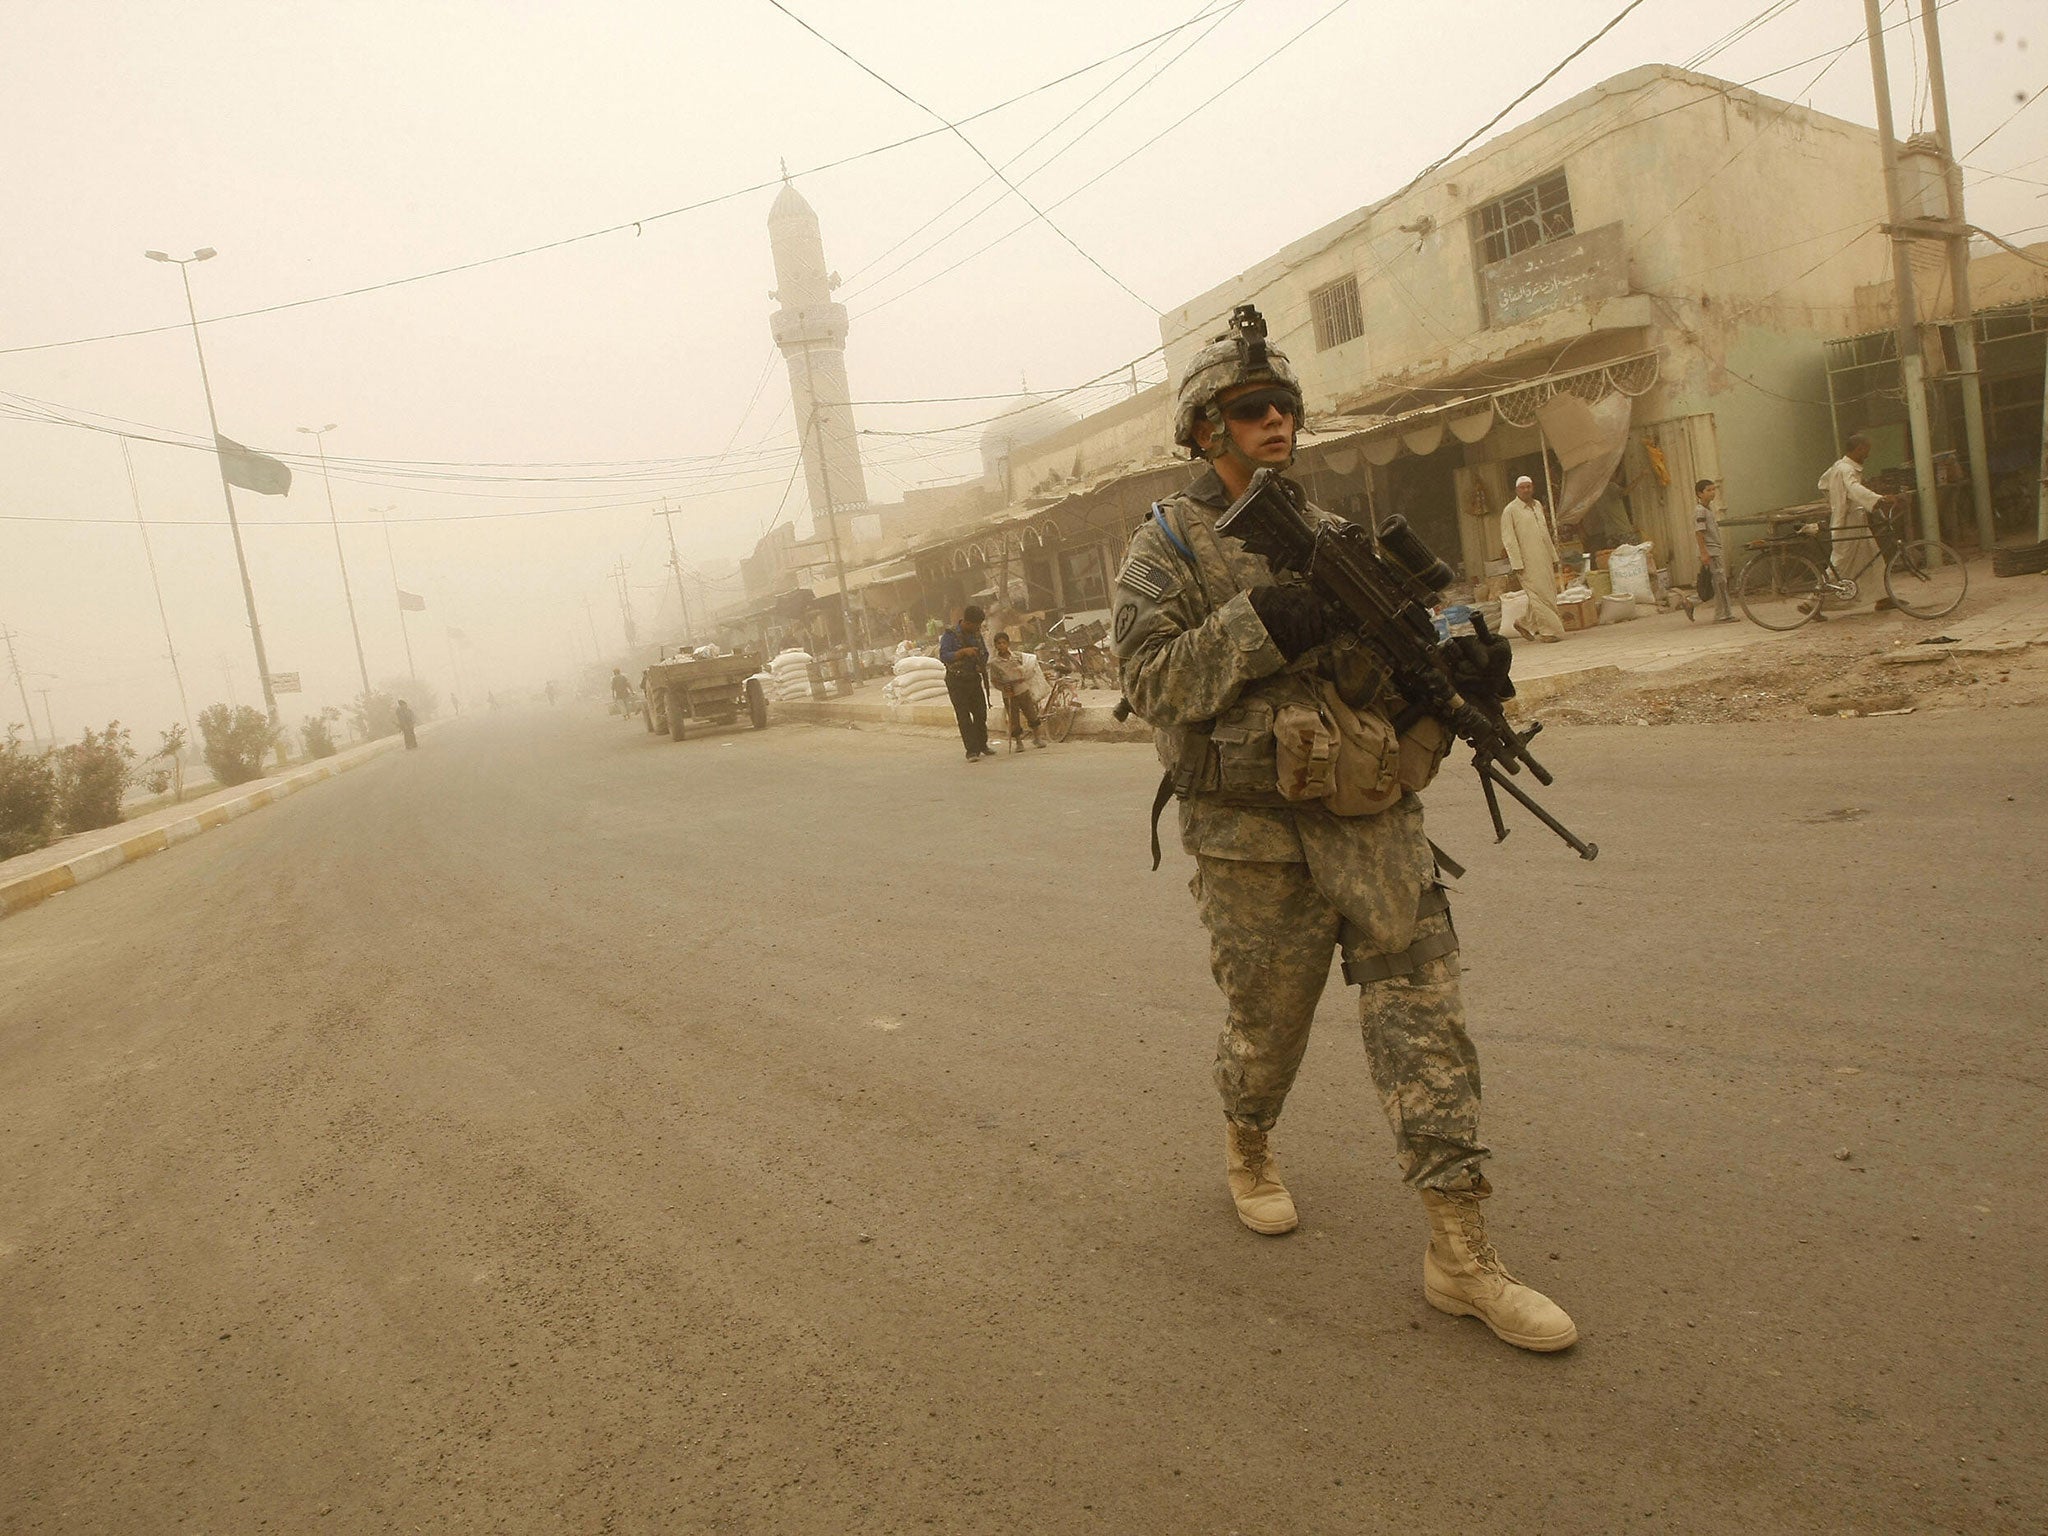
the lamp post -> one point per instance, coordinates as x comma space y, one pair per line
207, 253
319, 436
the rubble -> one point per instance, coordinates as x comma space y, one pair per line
1846, 670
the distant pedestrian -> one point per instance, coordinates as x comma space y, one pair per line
406, 721
1706, 531
965, 654
622, 692
1011, 673
1525, 536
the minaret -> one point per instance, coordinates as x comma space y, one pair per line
811, 331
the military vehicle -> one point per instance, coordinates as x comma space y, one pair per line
688, 689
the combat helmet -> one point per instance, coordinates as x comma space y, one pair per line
1241, 355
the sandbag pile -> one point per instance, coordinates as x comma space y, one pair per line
917, 680
791, 676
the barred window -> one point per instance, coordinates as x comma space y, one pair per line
1530, 215
1337, 315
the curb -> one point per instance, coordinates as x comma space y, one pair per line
25, 891
1094, 723
1532, 691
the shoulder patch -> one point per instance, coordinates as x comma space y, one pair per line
1147, 577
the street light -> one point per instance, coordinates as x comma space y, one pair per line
207, 253
319, 436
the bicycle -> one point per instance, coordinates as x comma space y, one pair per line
1061, 707
1782, 585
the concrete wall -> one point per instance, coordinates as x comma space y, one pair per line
1644, 150
1735, 230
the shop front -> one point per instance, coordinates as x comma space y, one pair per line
1606, 470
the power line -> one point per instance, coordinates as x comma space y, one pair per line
1994, 133
1219, 17
1553, 73
624, 224
954, 129
1208, 101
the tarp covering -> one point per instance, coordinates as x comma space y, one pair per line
1588, 441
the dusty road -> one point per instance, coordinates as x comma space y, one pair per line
560, 1130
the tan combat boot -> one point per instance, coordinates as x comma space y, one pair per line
1262, 1201
1462, 1275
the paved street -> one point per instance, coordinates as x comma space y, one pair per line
560, 1129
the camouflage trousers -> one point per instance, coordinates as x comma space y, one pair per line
1271, 937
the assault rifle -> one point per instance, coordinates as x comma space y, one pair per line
1385, 588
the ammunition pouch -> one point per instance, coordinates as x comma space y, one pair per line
1424, 745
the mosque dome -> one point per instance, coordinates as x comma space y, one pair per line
789, 204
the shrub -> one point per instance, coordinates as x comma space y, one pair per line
28, 796
163, 771
317, 731
92, 776
235, 742
371, 713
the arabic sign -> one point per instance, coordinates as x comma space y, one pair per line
1575, 270
284, 682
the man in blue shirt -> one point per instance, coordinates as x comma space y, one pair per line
965, 654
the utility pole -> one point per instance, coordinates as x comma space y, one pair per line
1912, 367
149, 554
626, 624
207, 253
397, 592
49, 719
28, 715
1964, 319
319, 435
596, 650
675, 564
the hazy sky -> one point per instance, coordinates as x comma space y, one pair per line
328, 148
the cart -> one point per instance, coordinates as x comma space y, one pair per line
684, 690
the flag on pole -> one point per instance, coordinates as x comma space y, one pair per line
251, 470
411, 602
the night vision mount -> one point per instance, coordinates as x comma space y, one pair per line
1249, 327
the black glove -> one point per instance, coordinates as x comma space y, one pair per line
1478, 665
1294, 616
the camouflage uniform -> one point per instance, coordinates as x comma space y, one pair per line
1279, 884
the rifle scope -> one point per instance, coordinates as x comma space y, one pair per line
1405, 548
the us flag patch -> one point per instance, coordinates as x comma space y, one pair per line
1147, 577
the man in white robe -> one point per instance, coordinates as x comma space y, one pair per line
1525, 534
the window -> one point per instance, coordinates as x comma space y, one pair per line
1531, 215
1337, 315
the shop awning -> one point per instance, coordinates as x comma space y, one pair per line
1469, 417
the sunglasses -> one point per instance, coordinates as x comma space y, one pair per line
1253, 407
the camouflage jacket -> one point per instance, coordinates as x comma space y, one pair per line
1195, 658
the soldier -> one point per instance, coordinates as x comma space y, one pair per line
1234, 670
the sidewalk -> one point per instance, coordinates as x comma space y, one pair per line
1999, 614
29, 878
